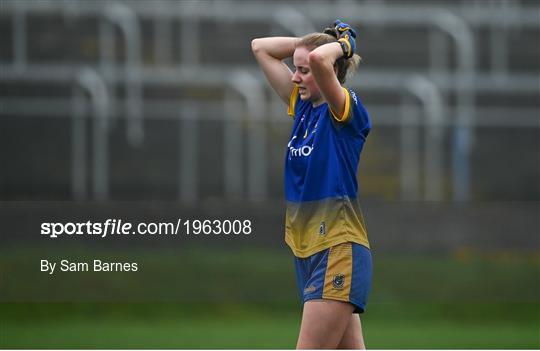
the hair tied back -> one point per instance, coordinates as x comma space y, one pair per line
332, 32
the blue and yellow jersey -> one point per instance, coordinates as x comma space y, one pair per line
320, 175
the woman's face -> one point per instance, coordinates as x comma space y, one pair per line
302, 76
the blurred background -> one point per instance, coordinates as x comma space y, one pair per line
156, 110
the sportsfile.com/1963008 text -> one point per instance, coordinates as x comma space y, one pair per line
119, 227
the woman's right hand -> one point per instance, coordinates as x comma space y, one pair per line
347, 36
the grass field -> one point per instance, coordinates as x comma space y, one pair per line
465, 300
135, 325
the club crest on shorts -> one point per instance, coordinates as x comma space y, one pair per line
339, 281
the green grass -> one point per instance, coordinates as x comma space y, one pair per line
472, 325
208, 333
433, 334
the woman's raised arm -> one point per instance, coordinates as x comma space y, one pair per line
270, 53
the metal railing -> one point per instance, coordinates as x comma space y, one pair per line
92, 83
434, 112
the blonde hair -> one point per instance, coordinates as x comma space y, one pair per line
344, 66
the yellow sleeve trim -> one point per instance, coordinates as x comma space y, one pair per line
346, 112
292, 101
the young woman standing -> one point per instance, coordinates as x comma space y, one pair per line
324, 224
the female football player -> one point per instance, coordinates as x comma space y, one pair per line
324, 224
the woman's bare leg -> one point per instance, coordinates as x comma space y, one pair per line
353, 338
323, 324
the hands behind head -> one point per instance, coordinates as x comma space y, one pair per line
346, 37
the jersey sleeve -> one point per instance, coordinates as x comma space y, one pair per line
360, 117
346, 112
292, 101
355, 118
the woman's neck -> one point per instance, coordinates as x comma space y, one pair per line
317, 102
